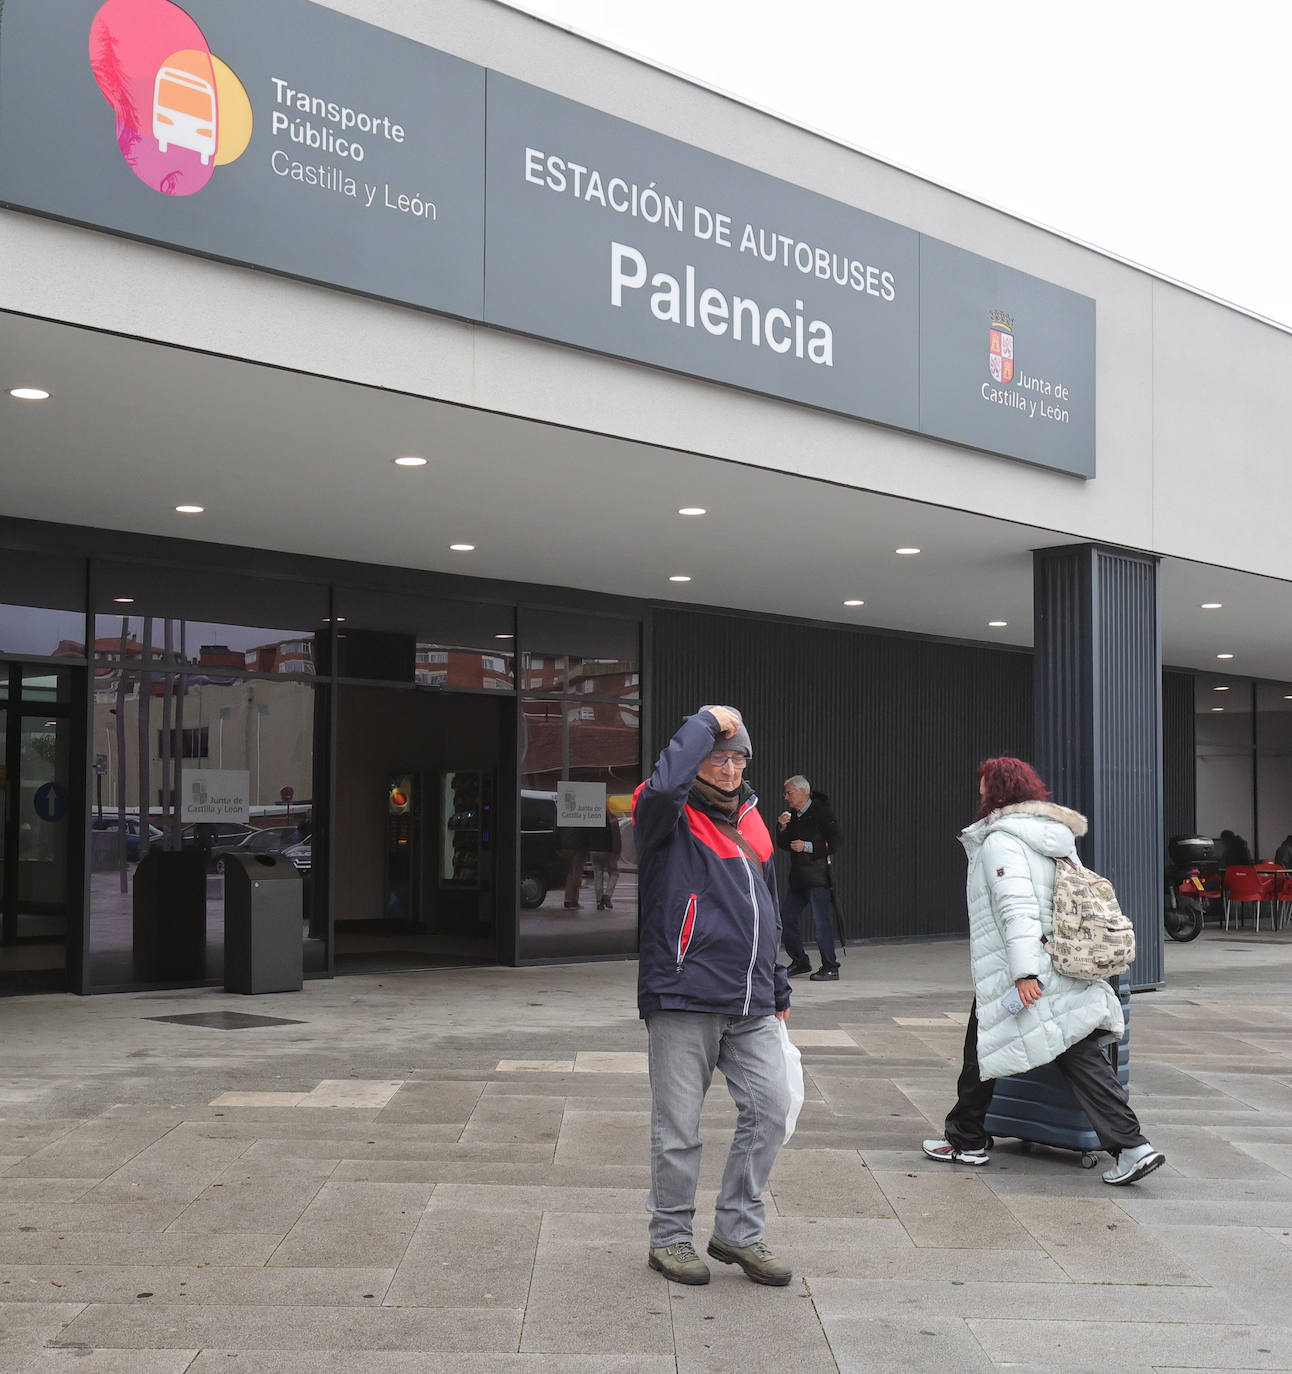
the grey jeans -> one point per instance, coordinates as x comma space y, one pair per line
684, 1049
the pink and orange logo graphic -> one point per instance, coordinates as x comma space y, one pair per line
181, 112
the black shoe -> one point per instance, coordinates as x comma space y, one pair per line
825, 975
797, 967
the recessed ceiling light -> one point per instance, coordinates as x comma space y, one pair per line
462, 548
692, 510
29, 393
1212, 605
907, 552
854, 601
190, 510
1224, 655
679, 577
124, 600
1220, 689
1287, 696
997, 624
504, 636
1217, 708
410, 460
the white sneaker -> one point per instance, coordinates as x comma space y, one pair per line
1133, 1164
946, 1152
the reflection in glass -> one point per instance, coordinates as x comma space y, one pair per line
150, 732
41, 633
578, 883
203, 645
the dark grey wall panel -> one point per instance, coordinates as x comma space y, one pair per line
1098, 666
891, 727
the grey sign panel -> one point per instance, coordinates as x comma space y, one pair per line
612, 237
281, 135
1007, 361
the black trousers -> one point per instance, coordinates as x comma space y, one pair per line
1089, 1074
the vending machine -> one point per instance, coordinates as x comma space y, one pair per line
403, 849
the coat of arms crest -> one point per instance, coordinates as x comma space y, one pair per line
1000, 347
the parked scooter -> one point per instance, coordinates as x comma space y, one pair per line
1184, 907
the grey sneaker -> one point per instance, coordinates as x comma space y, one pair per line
756, 1260
1131, 1165
679, 1262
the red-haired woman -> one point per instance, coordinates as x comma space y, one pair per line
1012, 848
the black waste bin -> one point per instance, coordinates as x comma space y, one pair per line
169, 917
262, 924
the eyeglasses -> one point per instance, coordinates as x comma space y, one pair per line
737, 761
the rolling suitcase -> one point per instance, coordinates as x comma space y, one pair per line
1038, 1108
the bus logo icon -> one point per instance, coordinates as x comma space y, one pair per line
184, 113
181, 112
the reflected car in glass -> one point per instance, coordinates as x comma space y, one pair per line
132, 828
300, 855
273, 839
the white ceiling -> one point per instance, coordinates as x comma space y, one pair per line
304, 464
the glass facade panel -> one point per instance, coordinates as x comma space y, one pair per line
1273, 766
150, 732
386, 637
210, 621
42, 606
580, 723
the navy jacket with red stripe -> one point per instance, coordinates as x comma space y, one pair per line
710, 921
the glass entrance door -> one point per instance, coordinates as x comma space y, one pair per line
39, 858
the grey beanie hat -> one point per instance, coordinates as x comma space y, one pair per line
740, 740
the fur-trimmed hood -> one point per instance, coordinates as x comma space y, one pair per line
1045, 826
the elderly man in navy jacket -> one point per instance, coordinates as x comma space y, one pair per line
710, 991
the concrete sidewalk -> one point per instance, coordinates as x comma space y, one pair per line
446, 1172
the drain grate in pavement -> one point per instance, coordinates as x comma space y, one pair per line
226, 1020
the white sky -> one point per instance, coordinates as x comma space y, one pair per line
1156, 131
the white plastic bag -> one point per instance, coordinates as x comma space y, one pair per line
793, 1077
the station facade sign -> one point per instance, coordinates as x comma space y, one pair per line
291, 138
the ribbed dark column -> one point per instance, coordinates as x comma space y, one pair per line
1098, 696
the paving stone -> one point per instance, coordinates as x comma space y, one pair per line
122, 1326
1191, 1345
433, 1103
733, 1324
863, 1345
515, 1120
1097, 1242
950, 1209
136, 1247
460, 1258
826, 1183
423, 1362
902, 1299
218, 1285
79, 1360
605, 1254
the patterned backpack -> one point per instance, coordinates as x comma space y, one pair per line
1090, 937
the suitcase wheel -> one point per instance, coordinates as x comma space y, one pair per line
1088, 1160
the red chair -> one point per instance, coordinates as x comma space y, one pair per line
1282, 898
1244, 884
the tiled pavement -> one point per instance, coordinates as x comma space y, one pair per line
445, 1171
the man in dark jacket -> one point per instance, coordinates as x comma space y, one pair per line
710, 991
809, 831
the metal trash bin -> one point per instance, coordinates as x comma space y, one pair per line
263, 949
168, 917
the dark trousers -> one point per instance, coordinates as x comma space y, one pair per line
1090, 1076
796, 900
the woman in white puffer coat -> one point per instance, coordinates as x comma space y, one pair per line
1012, 848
